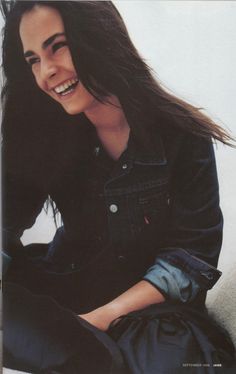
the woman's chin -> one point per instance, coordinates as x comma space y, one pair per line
71, 109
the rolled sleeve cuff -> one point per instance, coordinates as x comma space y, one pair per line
203, 273
172, 282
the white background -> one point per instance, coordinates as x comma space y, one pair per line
191, 45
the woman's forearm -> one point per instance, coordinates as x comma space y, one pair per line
141, 295
137, 297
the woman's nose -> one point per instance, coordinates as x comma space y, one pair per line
48, 69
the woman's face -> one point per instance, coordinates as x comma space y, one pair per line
46, 51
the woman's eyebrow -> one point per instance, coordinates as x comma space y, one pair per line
46, 43
51, 39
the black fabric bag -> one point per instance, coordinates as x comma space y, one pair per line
173, 339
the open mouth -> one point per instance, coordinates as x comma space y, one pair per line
67, 87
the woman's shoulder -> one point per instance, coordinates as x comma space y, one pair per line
180, 143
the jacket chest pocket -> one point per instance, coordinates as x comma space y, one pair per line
148, 210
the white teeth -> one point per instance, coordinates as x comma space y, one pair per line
64, 86
67, 92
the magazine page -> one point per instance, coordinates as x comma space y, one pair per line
118, 186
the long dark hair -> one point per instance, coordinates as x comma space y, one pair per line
107, 63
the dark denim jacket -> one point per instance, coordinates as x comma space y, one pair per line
161, 202
164, 202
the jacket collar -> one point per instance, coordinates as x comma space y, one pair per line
153, 154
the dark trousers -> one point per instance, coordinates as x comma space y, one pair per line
42, 336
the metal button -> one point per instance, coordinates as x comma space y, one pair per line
208, 275
121, 258
124, 166
96, 151
113, 208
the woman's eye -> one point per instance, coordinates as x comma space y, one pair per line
58, 45
31, 61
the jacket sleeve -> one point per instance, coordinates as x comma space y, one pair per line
172, 282
22, 202
194, 234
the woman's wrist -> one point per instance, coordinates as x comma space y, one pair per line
137, 297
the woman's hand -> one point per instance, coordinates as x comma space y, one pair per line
137, 297
101, 317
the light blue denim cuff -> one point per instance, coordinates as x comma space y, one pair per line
172, 281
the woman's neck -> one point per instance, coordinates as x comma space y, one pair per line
111, 126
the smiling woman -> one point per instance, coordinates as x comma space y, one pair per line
46, 51
122, 286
